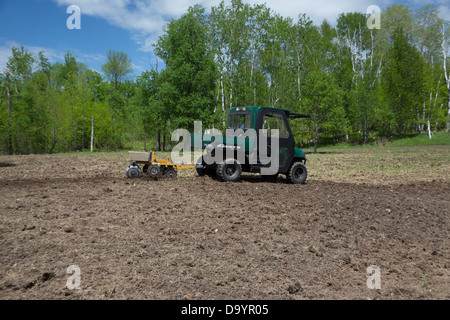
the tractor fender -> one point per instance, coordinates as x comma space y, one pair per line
299, 153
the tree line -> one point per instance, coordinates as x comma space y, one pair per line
358, 84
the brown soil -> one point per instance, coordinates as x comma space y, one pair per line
198, 238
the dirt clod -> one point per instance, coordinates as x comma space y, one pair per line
295, 288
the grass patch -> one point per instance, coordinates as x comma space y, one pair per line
380, 165
419, 140
438, 139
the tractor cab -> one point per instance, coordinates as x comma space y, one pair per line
267, 124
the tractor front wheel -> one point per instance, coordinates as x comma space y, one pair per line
206, 169
229, 170
297, 173
201, 171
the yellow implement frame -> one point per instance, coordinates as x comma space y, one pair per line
156, 167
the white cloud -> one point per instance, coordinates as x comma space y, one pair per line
330, 9
149, 16
444, 12
87, 57
317, 10
145, 19
5, 52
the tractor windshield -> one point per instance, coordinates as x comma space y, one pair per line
240, 121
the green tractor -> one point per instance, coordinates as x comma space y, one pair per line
238, 152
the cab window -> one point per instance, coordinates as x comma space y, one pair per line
240, 121
275, 121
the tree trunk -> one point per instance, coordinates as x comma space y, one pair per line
54, 127
299, 89
230, 81
252, 84
365, 130
419, 123
216, 100
10, 147
92, 134
223, 102
158, 142
429, 129
145, 141
447, 78
83, 133
448, 108
164, 142
316, 136
112, 136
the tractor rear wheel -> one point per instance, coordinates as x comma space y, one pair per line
297, 173
229, 170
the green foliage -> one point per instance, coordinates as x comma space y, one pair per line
359, 85
323, 101
187, 83
147, 107
20, 65
117, 66
402, 80
52, 105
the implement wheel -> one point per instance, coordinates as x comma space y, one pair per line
153, 171
133, 172
171, 174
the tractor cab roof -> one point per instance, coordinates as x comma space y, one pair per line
255, 109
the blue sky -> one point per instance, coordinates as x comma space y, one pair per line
132, 26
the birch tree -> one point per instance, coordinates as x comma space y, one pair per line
444, 45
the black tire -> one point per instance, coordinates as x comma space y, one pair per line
211, 171
229, 170
201, 171
133, 173
153, 171
297, 173
170, 173
206, 170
